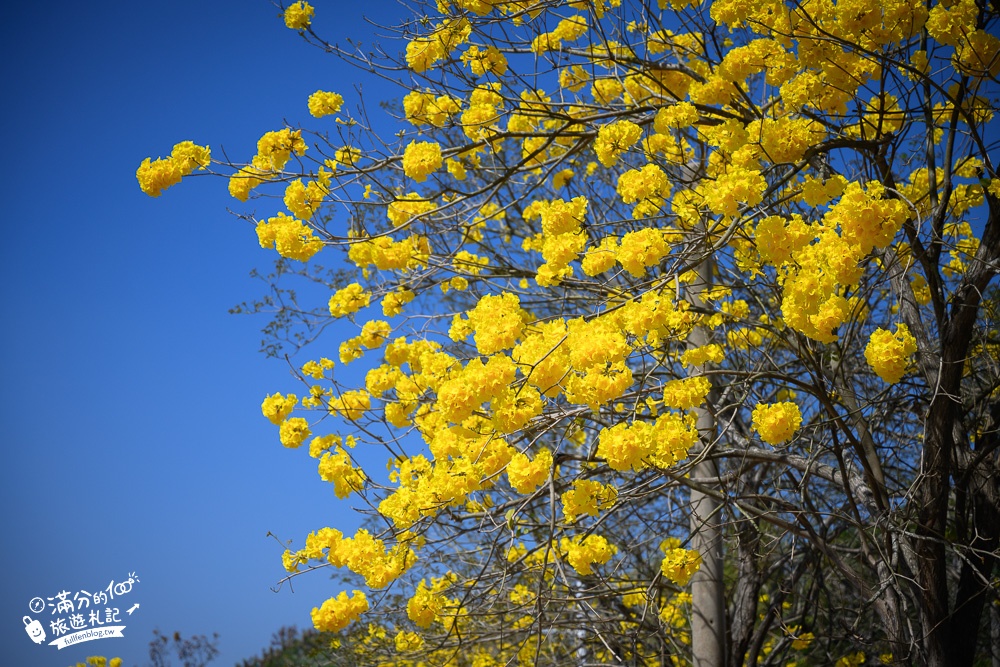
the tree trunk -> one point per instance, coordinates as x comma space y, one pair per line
708, 611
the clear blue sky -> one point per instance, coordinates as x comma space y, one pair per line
130, 398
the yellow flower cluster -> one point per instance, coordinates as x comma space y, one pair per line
298, 15
293, 432
698, 356
568, 30
290, 237
813, 301
866, 219
678, 563
561, 240
423, 52
363, 554
428, 602
675, 116
891, 355
349, 300
393, 302
776, 423
304, 199
595, 343
852, 660
542, 357
408, 642
639, 250
420, 159
100, 661
800, 641
600, 258
323, 103
599, 385
648, 186
587, 497
759, 55
513, 408
336, 467
481, 61
351, 405
479, 120
778, 239
606, 91
498, 322
785, 139
423, 108
277, 407
406, 207
686, 393
374, 333
155, 176
635, 446
337, 613
347, 156
816, 192
584, 553
526, 475
737, 186
464, 463
274, 150
978, 54
614, 139
386, 254
561, 178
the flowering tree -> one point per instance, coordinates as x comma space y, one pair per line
678, 326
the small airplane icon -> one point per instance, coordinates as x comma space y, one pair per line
132, 608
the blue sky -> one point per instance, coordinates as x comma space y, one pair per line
130, 399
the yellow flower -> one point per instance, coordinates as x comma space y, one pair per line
336, 468
303, 200
408, 206
587, 497
776, 423
561, 178
190, 156
351, 404
349, 300
583, 554
393, 302
801, 642
347, 156
420, 159
614, 139
890, 355
853, 660
481, 61
686, 393
678, 564
294, 432
290, 237
498, 322
277, 407
526, 475
299, 15
336, 613
374, 333
275, 149
156, 176
322, 103
408, 642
